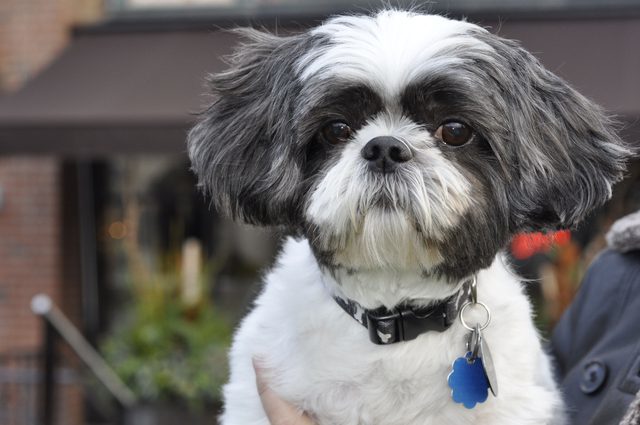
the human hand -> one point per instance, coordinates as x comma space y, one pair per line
279, 411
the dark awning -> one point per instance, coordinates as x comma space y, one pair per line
114, 92
135, 91
599, 57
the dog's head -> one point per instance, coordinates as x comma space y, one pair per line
401, 140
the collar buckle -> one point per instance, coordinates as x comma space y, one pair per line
405, 323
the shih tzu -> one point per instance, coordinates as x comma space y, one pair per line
399, 152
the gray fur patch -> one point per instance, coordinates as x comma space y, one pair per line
624, 235
244, 147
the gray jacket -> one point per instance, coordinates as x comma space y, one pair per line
596, 344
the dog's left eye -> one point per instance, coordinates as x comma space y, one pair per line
454, 133
336, 132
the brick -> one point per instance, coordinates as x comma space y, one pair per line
32, 33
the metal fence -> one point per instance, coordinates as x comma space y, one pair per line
21, 390
19, 378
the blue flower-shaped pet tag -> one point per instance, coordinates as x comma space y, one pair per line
468, 381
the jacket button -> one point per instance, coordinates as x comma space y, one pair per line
594, 375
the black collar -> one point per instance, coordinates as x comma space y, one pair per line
405, 322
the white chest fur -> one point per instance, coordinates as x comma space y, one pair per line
321, 359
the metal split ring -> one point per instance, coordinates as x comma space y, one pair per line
486, 309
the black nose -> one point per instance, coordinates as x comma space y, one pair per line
384, 153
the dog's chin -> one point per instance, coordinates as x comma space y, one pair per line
400, 222
384, 236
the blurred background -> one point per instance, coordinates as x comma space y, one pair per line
99, 211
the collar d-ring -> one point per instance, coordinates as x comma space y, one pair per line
473, 289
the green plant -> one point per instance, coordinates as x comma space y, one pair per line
165, 349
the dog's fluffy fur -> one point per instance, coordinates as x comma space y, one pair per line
542, 156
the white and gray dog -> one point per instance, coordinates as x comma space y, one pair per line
400, 152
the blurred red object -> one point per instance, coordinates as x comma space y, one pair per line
524, 245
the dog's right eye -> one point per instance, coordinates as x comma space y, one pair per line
336, 132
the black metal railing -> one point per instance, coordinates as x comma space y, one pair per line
21, 395
58, 327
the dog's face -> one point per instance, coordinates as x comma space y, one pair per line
401, 140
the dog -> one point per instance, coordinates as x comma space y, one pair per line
399, 152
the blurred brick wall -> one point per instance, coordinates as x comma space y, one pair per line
30, 263
29, 245
32, 34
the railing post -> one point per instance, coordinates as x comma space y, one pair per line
58, 325
47, 397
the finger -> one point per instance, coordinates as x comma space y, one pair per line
278, 410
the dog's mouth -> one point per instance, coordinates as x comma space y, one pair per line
384, 235
386, 204
392, 193
384, 220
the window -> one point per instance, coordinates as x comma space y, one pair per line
328, 6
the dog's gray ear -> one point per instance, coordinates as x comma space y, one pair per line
243, 147
563, 151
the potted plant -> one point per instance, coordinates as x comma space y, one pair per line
170, 348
